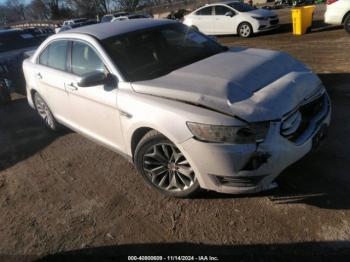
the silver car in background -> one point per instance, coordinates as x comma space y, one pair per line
188, 112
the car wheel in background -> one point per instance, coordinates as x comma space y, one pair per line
164, 167
347, 23
5, 96
45, 113
245, 30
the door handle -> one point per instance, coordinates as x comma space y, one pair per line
71, 87
39, 76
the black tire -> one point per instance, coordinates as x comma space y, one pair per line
347, 23
5, 96
45, 113
245, 30
152, 155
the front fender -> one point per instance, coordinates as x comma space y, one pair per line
167, 116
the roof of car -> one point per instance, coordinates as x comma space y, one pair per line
106, 30
223, 3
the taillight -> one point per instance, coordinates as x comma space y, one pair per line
329, 2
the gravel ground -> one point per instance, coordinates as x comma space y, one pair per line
66, 196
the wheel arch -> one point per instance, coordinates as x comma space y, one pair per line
141, 131
345, 16
136, 137
32, 93
244, 22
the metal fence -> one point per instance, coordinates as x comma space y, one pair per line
37, 24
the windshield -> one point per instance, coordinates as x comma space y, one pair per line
241, 7
148, 54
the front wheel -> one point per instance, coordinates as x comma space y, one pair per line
347, 23
165, 167
245, 30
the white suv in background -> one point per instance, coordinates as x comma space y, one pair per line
231, 18
338, 13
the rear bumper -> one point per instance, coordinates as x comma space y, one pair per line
240, 169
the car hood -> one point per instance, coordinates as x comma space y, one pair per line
253, 84
261, 12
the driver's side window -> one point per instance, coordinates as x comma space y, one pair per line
222, 10
85, 59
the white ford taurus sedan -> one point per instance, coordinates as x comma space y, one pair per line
188, 112
232, 17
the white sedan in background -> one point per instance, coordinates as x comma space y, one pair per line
338, 13
231, 18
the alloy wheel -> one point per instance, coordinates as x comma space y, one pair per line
44, 112
167, 168
245, 30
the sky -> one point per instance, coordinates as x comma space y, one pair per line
4, 1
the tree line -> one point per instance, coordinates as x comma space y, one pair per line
21, 10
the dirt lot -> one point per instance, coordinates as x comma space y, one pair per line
60, 193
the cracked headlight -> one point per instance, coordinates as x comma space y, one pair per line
249, 134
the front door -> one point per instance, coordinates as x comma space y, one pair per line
224, 23
94, 108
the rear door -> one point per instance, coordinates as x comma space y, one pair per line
203, 19
51, 74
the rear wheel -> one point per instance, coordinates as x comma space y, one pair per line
164, 167
45, 113
245, 30
347, 23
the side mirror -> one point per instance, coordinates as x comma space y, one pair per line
92, 79
97, 78
230, 14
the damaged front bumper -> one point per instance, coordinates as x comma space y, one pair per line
250, 168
